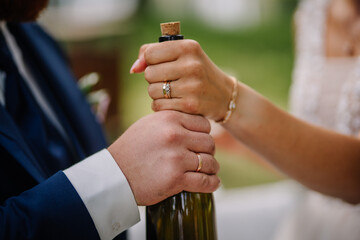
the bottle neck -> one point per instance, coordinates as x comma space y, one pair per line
170, 38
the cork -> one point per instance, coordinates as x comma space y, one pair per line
170, 28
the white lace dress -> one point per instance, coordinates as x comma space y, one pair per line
325, 92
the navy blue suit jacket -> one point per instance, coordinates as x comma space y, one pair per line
35, 205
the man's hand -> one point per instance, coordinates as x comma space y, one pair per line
157, 154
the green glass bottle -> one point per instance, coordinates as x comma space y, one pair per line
185, 216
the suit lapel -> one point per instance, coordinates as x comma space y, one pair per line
52, 64
80, 123
12, 141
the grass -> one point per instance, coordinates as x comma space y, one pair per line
261, 57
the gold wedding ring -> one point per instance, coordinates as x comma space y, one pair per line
200, 162
167, 90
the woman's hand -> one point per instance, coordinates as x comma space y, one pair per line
197, 85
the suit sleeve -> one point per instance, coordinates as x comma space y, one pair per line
51, 210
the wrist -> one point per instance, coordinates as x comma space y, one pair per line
115, 155
251, 114
236, 108
229, 107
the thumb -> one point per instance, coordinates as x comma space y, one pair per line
139, 65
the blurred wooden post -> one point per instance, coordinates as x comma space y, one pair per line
86, 57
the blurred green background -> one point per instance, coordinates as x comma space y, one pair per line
256, 45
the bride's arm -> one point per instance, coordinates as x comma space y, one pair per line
320, 159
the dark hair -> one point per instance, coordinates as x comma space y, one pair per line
21, 10
357, 5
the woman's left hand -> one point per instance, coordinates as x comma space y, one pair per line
197, 85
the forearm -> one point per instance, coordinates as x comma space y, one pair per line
320, 159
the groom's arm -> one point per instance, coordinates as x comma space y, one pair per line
157, 156
50, 210
91, 200
106, 194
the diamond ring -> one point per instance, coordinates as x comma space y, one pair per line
167, 89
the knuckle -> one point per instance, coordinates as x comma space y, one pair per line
148, 55
151, 90
214, 166
171, 135
153, 106
211, 144
199, 85
144, 47
195, 69
204, 181
175, 158
190, 46
218, 182
194, 88
217, 166
172, 169
156, 106
215, 184
170, 116
148, 73
192, 105
207, 126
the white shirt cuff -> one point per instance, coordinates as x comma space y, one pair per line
105, 192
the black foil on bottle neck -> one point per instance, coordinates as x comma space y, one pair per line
170, 38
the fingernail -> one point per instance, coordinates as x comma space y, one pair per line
134, 66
